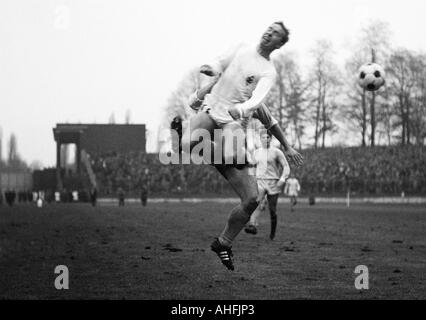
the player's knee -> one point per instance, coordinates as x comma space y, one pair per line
251, 203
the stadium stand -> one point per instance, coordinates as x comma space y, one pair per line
367, 171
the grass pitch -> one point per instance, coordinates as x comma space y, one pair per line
162, 252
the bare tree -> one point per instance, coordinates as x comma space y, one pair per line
354, 110
290, 96
405, 97
324, 80
402, 84
418, 104
177, 103
386, 117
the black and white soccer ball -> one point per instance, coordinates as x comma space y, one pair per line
371, 76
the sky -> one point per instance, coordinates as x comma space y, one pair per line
82, 60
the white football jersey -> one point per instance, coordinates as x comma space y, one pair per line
246, 79
292, 187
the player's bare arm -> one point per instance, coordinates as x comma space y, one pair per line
202, 92
267, 119
286, 169
289, 151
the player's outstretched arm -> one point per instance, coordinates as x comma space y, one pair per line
267, 119
286, 168
197, 98
219, 65
202, 92
289, 151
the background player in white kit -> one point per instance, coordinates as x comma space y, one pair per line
292, 188
272, 170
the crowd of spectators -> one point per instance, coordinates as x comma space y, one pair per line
12, 196
139, 173
366, 171
330, 171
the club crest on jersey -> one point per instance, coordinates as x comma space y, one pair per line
249, 80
